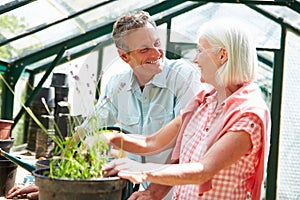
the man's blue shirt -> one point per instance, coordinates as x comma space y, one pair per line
143, 112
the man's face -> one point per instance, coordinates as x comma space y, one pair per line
145, 55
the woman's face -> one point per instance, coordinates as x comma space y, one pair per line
208, 60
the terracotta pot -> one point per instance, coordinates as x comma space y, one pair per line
5, 127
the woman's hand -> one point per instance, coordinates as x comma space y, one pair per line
126, 168
29, 192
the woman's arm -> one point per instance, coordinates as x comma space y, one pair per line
146, 145
226, 151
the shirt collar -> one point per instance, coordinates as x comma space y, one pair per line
159, 80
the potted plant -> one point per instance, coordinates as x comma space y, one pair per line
76, 173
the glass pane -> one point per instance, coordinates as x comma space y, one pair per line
289, 157
29, 17
44, 38
286, 13
57, 10
109, 12
266, 32
73, 6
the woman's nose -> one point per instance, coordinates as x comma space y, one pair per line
195, 60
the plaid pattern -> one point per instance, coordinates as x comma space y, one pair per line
229, 183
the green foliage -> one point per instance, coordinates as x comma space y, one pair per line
4, 53
12, 24
78, 162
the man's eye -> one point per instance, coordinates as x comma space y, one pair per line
144, 50
157, 44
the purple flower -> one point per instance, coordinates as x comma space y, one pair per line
122, 84
76, 77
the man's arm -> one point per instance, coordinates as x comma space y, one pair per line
28, 192
153, 192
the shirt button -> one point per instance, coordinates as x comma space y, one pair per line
206, 129
252, 125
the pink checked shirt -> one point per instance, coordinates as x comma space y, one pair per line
205, 125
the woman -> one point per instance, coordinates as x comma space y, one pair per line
222, 135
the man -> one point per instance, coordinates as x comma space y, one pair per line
149, 95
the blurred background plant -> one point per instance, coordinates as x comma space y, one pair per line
75, 161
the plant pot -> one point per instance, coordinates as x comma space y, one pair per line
48, 93
8, 171
41, 164
5, 127
6, 145
59, 80
63, 189
44, 144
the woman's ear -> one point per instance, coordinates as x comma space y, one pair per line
124, 55
223, 56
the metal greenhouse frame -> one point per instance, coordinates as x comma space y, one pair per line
56, 54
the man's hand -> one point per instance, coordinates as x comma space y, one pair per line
91, 140
153, 192
29, 192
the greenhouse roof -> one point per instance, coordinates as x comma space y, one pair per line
35, 27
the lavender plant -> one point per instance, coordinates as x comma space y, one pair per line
75, 161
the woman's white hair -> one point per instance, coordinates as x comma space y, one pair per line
241, 65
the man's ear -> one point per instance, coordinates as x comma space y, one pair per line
123, 54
